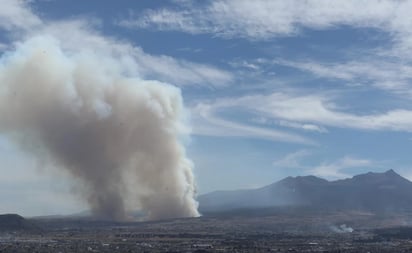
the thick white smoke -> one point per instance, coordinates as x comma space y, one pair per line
119, 136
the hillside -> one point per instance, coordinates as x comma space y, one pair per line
376, 192
14, 222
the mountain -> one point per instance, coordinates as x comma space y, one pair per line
14, 222
376, 192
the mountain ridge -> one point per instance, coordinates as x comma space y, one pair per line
371, 191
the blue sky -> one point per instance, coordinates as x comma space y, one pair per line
274, 88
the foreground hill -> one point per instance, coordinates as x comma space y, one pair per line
376, 192
14, 222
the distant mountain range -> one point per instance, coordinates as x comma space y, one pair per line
375, 192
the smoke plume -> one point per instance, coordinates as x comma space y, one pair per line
118, 136
341, 229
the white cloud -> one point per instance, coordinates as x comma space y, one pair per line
16, 14
328, 170
165, 19
283, 123
205, 121
292, 160
335, 170
136, 62
380, 73
387, 67
311, 110
304, 126
181, 71
84, 33
262, 19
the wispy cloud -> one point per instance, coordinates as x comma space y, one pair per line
292, 160
312, 109
283, 123
137, 62
205, 121
17, 15
380, 73
85, 33
263, 19
336, 169
266, 19
304, 126
329, 170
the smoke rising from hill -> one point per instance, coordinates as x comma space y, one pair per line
118, 136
